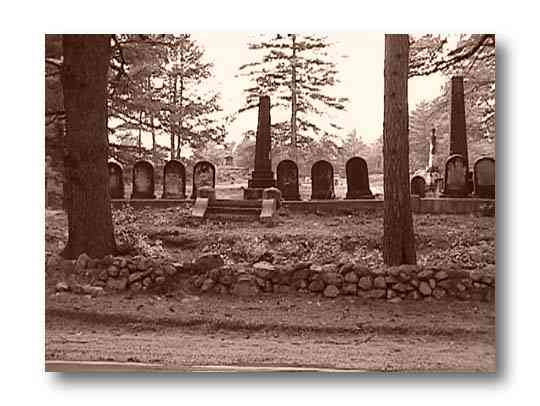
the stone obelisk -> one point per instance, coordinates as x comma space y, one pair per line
458, 127
262, 177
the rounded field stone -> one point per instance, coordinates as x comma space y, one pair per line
331, 291
425, 274
349, 289
351, 277
332, 278
316, 286
113, 271
379, 282
441, 275
424, 288
365, 283
135, 287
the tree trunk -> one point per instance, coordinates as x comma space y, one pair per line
139, 137
398, 240
181, 100
153, 131
293, 101
173, 135
84, 81
180, 119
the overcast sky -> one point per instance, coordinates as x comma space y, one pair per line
361, 76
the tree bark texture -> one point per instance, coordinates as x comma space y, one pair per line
84, 81
398, 239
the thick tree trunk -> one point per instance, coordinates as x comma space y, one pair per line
84, 81
398, 240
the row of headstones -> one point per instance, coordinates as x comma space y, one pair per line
456, 178
204, 174
174, 179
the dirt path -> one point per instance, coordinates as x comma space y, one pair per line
175, 332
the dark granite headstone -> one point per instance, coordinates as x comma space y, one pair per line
484, 178
418, 186
455, 177
262, 177
357, 179
322, 181
287, 180
174, 180
204, 174
116, 180
143, 180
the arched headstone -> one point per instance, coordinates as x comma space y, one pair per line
322, 181
116, 180
357, 179
455, 177
204, 174
174, 180
418, 186
287, 180
484, 177
143, 180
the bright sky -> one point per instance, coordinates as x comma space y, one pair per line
361, 76
360, 73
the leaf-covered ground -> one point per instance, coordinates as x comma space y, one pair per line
178, 329
464, 241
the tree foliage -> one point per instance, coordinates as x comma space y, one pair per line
158, 86
473, 57
314, 75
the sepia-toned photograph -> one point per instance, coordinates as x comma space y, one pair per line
276, 202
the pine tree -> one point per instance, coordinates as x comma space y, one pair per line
135, 87
191, 108
296, 73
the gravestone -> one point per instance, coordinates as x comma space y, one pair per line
458, 127
455, 177
357, 179
322, 181
287, 180
116, 180
143, 180
484, 178
174, 180
204, 174
262, 177
418, 186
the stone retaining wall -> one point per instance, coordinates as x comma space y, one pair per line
209, 275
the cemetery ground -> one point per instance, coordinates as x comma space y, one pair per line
176, 328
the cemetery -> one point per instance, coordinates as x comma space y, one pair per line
212, 248
459, 191
266, 198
